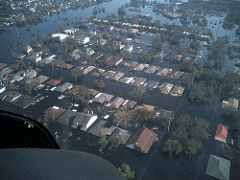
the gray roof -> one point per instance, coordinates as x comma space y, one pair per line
5, 71
63, 87
122, 134
24, 101
67, 117
100, 129
82, 119
218, 167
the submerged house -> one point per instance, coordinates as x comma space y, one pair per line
221, 133
53, 112
117, 102
99, 129
24, 101
230, 103
122, 134
84, 121
117, 76
76, 119
218, 168
102, 97
130, 104
64, 87
142, 140
166, 88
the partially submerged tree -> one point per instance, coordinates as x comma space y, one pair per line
123, 116
126, 171
172, 147
76, 73
138, 93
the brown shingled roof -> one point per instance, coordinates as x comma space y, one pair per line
142, 139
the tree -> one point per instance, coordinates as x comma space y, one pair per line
144, 116
123, 116
76, 73
230, 114
191, 133
193, 146
126, 171
172, 147
121, 11
138, 93
103, 142
114, 143
98, 84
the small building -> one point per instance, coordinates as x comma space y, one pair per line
141, 66
151, 69
62, 37
163, 113
177, 90
99, 129
67, 118
53, 82
166, 88
130, 63
126, 80
6, 71
117, 60
164, 72
218, 167
90, 51
35, 57
103, 41
109, 74
151, 84
177, 74
75, 54
11, 96
231, 103
122, 134
84, 121
18, 55
2, 88
24, 101
64, 65
64, 87
48, 59
129, 104
82, 39
138, 81
117, 76
146, 107
36, 81
2, 65
178, 57
30, 73
71, 31
117, 102
142, 140
102, 97
221, 133
18, 76
27, 49
88, 69
53, 112
128, 48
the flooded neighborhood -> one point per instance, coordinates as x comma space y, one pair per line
148, 85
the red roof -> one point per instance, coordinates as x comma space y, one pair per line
53, 82
221, 133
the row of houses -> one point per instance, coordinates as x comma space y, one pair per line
141, 140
